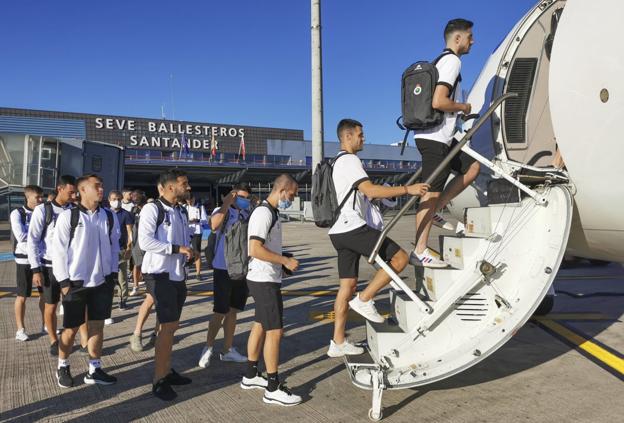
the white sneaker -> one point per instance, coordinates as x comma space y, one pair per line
257, 382
426, 259
366, 309
108, 321
141, 283
343, 349
204, 359
460, 229
134, 292
233, 355
441, 222
20, 335
60, 310
281, 396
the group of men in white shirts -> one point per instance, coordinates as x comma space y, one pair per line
73, 253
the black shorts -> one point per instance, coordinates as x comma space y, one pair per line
356, 243
269, 304
96, 301
196, 242
433, 153
228, 293
169, 296
23, 276
51, 288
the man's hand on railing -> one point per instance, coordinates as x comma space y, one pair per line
418, 189
467, 108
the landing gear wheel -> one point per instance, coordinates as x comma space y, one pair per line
375, 417
545, 306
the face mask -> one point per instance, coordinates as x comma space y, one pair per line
284, 204
114, 204
242, 203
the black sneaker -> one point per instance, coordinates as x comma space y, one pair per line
162, 390
54, 349
174, 378
84, 350
122, 305
100, 377
64, 377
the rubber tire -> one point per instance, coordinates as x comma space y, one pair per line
372, 418
594, 262
545, 306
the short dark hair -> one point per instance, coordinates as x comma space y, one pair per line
85, 178
347, 125
35, 189
170, 175
458, 24
125, 190
116, 192
66, 180
242, 186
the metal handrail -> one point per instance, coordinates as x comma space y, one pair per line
454, 151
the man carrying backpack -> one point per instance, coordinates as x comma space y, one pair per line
126, 223
20, 220
352, 237
85, 261
230, 296
164, 236
40, 235
193, 210
264, 279
435, 143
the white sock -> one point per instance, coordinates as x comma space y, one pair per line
62, 363
94, 364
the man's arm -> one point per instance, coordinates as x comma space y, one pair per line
59, 247
217, 217
258, 251
373, 191
35, 229
443, 102
16, 227
115, 235
147, 228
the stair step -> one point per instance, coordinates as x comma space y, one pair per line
406, 312
463, 252
433, 283
381, 335
483, 222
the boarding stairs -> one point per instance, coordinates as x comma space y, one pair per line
500, 269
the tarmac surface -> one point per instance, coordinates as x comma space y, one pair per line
566, 366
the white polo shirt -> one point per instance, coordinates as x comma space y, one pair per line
38, 242
260, 229
449, 68
347, 173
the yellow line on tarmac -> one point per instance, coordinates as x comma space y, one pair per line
5, 294
586, 345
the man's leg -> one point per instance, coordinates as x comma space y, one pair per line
229, 326
20, 309
136, 276
271, 349
66, 343
84, 334
341, 307
164, 346
198, 267
143, 314
42, 308
49, 317
213, 328
95, 338
122, 281
458, 184
397, 263
424, 215
255, 342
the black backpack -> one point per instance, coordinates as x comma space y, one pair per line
325, 207
22, 214
75, 218
418, 84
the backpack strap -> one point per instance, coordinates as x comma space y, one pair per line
48, 214
445, 53
351, 191
160, 217
22, 213
111, 224
73, 223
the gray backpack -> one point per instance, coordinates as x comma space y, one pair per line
235, 248
325, 207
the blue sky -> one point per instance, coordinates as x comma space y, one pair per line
239, 62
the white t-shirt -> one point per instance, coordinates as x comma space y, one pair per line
449, 68
348, 172
260, 229
194, 213
127, 206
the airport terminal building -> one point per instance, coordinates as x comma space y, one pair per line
37, 146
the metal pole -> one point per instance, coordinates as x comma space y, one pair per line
317, 86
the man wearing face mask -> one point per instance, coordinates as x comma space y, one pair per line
230, 296
126, 222
195, 216
264, 279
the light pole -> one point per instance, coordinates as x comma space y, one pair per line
317, 86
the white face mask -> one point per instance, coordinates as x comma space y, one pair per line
114, 204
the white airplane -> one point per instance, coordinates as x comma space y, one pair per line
563, 63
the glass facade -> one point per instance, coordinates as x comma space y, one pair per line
28, 160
